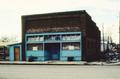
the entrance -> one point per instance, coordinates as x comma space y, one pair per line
17, 53
70, 58
53, 50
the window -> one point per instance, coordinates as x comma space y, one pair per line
70, 46
71, 37
34, 47
52, 37
35, 38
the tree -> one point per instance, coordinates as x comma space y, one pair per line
7, 40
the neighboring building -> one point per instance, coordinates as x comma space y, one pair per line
65, 36
15, 52
3, 53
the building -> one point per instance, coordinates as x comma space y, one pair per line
15, 52
3, 53
64, 36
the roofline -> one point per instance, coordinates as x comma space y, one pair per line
53, 13
14, 44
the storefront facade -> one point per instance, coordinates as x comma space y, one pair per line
64, 46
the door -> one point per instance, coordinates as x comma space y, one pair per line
53, 50
70, 58
17, 53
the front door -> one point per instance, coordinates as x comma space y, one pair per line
53, 50
17, 53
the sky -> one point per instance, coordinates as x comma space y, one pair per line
103, 12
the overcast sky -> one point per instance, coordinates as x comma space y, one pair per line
102, 12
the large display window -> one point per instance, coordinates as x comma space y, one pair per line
34, 47
71, 46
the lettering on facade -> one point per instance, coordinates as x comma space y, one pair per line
53, 29
66, 37
35, 38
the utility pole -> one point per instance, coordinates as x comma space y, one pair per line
118, 46
103, 38
119, 28
108, 43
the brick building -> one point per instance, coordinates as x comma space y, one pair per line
72, 35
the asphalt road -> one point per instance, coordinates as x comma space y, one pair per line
58, 72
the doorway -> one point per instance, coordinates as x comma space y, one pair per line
16, 53
70, 58
53, 50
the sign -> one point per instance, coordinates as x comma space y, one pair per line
35, 48
53, 29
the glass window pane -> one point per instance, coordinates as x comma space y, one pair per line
35, 47
71, 37
70, 46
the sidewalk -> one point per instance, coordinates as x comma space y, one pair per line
41, 63
58, 63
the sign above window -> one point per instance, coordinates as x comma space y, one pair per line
53, 29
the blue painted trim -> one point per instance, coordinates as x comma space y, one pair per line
49, 41
54, 33
81, 47
20, 52
54, 41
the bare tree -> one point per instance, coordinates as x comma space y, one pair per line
7, 40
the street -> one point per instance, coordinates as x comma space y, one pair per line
58, 72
